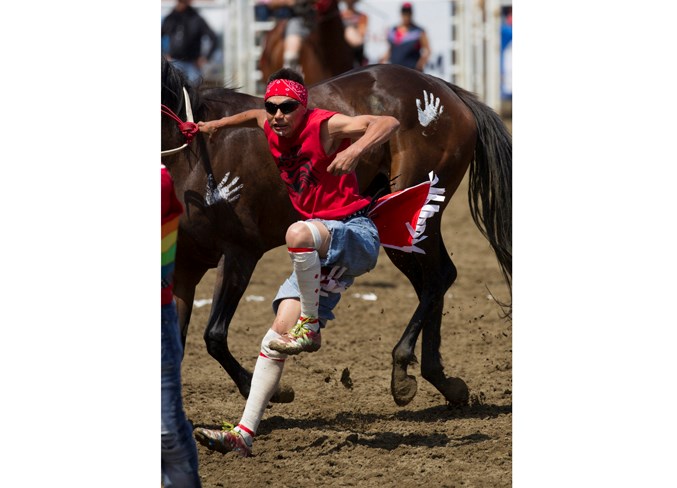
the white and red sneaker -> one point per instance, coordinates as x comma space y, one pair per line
226, 440
301, 338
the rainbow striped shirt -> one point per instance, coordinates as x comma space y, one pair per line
171, 211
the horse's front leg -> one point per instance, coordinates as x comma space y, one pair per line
233, 274
187, 275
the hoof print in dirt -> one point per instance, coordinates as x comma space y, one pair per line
345, 379
284, 394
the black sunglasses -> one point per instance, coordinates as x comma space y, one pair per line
286, 107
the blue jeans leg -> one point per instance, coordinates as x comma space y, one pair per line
179, 452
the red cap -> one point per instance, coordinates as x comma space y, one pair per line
406, 6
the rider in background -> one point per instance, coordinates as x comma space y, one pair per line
299, 15
355, 23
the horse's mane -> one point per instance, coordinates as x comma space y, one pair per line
171, 76
173, 83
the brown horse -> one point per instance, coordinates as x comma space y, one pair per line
237, 207
324, 53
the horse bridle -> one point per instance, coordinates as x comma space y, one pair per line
188, 128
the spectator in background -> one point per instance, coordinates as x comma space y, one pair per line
408, 43
179, 453
184, 30
355, 23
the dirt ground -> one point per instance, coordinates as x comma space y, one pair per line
335, 435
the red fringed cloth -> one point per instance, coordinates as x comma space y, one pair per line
401, 216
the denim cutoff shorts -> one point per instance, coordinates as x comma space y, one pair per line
353, 244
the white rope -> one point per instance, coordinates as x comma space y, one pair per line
189, 110
189, 115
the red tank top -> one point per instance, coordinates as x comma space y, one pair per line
302, 162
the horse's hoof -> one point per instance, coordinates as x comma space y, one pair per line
455, 391
404, 390
284, 394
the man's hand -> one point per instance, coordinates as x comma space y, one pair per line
345, 162
208, 127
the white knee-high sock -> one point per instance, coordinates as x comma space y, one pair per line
267, 374
306, 262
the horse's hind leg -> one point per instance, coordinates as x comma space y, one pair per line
431, 275
234, 272
454, 390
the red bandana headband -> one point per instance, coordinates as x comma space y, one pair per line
287, 88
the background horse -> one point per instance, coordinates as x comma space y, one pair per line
324, 53
237, 208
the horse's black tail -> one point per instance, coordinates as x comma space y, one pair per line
490, 183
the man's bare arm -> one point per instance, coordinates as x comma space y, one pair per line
370, 131
249, 118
